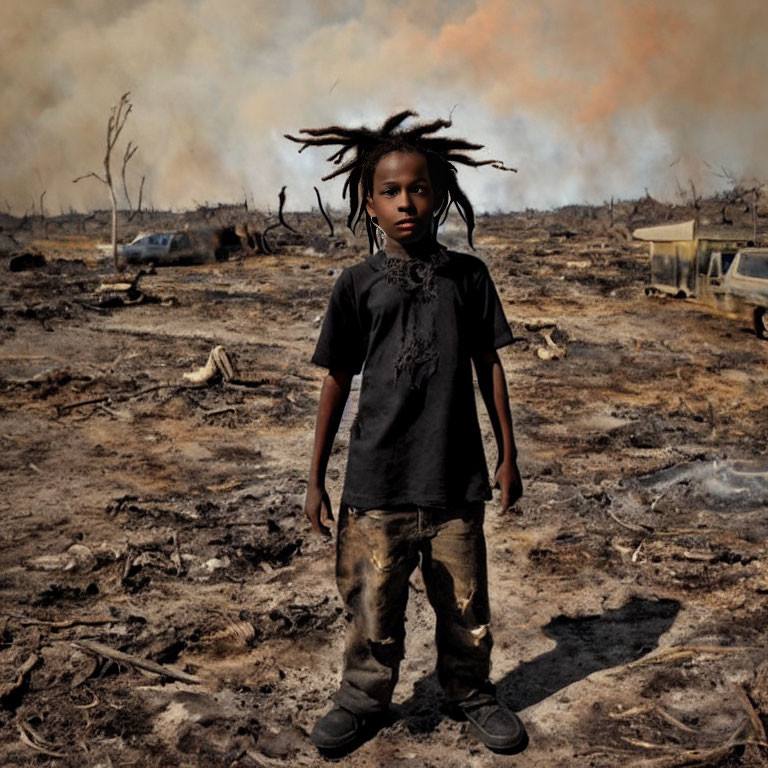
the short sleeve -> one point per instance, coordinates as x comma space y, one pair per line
491, 330
341, 345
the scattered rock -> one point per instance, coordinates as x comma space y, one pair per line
215, 563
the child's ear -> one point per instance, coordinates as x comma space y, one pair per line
369, 207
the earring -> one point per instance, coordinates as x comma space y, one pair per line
382, 233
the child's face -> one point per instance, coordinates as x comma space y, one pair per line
402, 200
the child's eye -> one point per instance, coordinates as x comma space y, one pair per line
390, 191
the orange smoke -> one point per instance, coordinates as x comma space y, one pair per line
590, 98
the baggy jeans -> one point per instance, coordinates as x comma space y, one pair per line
376, 552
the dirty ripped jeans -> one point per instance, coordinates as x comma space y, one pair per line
377, 550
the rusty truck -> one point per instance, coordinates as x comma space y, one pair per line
719, 267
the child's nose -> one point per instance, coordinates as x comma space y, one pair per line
405, 202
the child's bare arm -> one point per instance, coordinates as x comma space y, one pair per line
333, 398
493, 388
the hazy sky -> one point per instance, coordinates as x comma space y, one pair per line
588, 98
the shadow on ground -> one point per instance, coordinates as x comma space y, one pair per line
585, 645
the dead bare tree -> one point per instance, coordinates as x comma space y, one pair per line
130, 151
117, 117
738, 194
696, 200
680, 190
755, 196
138, 204
330, 223
42, 214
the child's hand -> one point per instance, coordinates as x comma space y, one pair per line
508, 480
318, 509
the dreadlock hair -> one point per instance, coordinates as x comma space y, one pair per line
369, 146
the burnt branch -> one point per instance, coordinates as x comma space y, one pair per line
42, 214
322, 210
88, 176
267, 247
138, 204
281, 198
130, 151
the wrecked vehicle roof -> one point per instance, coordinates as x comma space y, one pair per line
689, 230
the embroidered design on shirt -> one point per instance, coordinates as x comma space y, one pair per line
417, 360
415, 275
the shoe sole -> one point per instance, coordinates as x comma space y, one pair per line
336, 746
340, 747
508, 747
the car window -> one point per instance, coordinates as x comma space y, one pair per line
754, 265
728, 257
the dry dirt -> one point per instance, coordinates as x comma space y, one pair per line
628, 586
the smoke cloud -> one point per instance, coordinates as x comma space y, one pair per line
588, 98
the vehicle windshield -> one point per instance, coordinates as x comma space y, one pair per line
754, 265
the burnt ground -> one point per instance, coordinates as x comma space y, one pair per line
164, 519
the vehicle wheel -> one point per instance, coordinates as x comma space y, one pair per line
760, 322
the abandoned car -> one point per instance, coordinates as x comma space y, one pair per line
716, 267
162, 249
737, 285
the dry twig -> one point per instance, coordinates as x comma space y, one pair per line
27, 621
754, 718
8, 689
675, 652
630, 526
35, 741
134, 661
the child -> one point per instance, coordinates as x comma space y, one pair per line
413, 317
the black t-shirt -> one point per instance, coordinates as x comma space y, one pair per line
412, 326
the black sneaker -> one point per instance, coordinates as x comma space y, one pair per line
340, 730
495, 725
